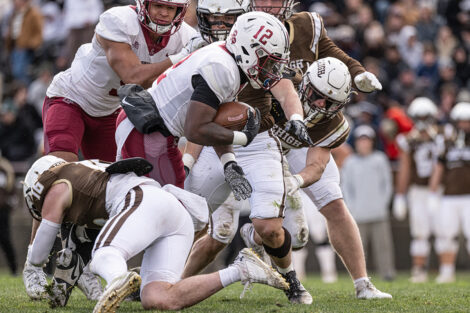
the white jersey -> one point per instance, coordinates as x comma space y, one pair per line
90, 81
172, 91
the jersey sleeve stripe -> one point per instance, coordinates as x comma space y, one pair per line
334, 135
318, 26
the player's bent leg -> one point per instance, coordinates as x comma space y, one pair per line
277, 243
202, 254
247, 268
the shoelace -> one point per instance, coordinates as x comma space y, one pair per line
247, 287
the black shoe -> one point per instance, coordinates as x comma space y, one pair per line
296, 293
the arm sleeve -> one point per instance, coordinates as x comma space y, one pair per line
203, 93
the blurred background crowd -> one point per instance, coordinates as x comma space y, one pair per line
415, 48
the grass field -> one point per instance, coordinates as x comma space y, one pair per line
337, 297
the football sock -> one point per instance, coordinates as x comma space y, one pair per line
43, 242
229, 275
109, 263
447, 269
286, 270
358, 281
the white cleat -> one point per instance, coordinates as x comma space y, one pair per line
254, 270
445, 279
366, 290
116, 292
90, 285
34, 280
418, 275
246, 232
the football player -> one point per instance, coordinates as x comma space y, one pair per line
131, 45
141, 216
184, 100
453, 171
261, 159
305, 49
417, 159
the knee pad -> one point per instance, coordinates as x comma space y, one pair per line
446, 245
281, 251
420, 247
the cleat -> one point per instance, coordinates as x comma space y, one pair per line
418, 275
34, 280
254, 270
296, 293
90, 285
69, 267
117, 291
445, 279
366, 290
246, 232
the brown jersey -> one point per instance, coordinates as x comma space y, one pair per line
88, 196
422, 152
455, 156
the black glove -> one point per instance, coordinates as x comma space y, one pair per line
235, 177
298, 129
252, 125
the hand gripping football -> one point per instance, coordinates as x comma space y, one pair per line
233, 115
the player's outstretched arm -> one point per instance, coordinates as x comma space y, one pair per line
317, 159
127, 65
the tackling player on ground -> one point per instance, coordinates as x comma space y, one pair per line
142, 216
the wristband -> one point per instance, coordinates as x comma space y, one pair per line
239, 138
296, 117
227, 157
188, 160
299, 179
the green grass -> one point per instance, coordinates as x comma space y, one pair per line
337, 297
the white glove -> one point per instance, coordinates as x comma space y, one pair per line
367, 82
399, 207
434, 202
193, 44
294, 183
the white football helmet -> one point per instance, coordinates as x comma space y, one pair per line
207, 9
29, 189
260, 45
460, 112
423, 111
282, 11
326, 79
162, 28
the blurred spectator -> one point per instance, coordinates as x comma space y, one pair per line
37, 89
392, 63
367, 186
394, 23
447, 73
345, 38
23, 38
462, 63
406, 87
410, 48
18, 123
80, 19
427, 25
445, 42
7, 184
447, 97
428, 69
374, 41
54, 32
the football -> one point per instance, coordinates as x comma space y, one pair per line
233, 115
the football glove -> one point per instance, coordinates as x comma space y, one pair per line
235, 177
298, 129
399, 207
252, 125
367, 82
